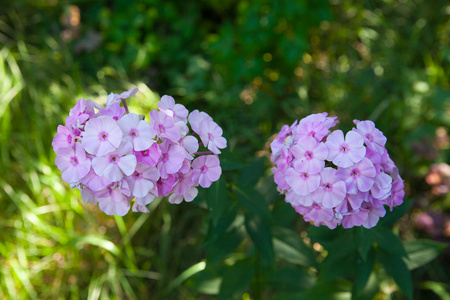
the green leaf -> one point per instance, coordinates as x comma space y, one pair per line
396, 267
341, 259
283, 214
388, 241
364, 240
217, 200
363, 269
290, 280
290, 247
421, 252
440, 289
252, 173
268, 189
222, 246
253, 202
261, 235
335, 290
229, 162
393, 216
236, 279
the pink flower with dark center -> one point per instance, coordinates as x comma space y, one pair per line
73, 163
113, 201
114, 111
165, 185
164, 126
211, 136
101, 136
359, 177
314, 129
331, 192
302, 182
373, 137
138, 132
310, 155
206, 170
149, 156
65, 138
115, 164
345, 153
177, 111
143, 179
171, 160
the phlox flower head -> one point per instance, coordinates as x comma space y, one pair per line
117, 158
335, 179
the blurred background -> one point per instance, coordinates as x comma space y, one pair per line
253, 66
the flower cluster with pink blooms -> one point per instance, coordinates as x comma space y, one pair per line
331, 178
114, 156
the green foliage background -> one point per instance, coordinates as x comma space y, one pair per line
253, 66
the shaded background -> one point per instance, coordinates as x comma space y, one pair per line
253, 66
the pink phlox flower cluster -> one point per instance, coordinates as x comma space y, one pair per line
335, 179
117, 159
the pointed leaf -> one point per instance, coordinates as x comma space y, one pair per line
252, 202
252, 172
290, 247
396, 267
261, 235
236, 279
421, 252
217, 200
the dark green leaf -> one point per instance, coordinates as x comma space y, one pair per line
236, 279
222, 246
364, 241
393, 216
330, 290
341, 259
290, 280
421, 252
261, 235
396, 267
290, 247
388, 241
268, 189
217, 200
363, 269
252, 173
283, 214
253, 202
